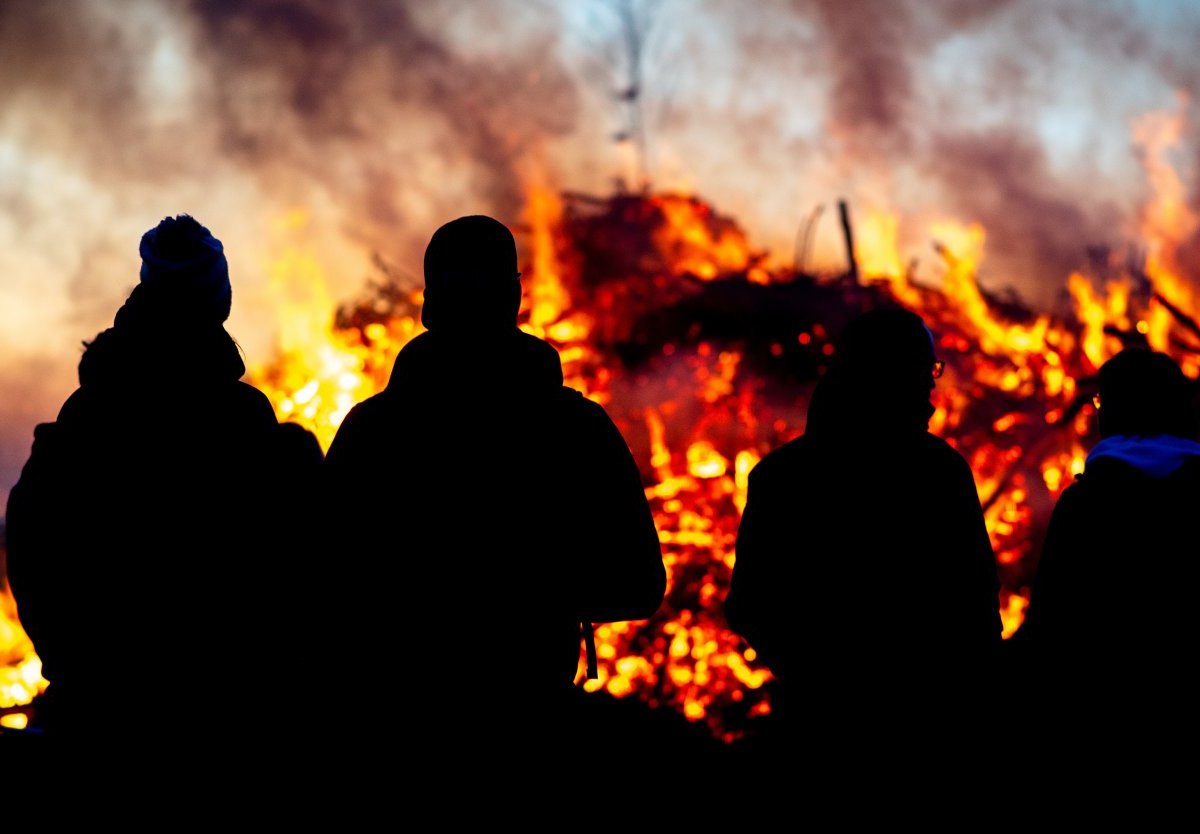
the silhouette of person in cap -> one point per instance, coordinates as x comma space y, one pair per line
138, 544
1111, 624
507, 507
864, 572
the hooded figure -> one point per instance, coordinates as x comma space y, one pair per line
138, 531
1113, 604
486, 512
864, 569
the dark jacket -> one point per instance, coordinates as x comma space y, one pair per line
485, 511
1105, 654
145, 542
1116, 578
863, 553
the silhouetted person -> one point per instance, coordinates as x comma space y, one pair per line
486, 511
1112, 618
864, 576
148, 543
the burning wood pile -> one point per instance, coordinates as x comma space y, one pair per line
705, 356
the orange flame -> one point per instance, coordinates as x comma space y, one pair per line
20, 668
1168, 220
701, 244
1092, 313
962, 248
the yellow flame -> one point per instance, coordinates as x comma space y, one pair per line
697, 242
660, 455
719, 384
546, 299
20, 668
15, 721
704, 461
322, 371
1168, 221
1092, 315
743, 464
877, 250
1012, 614
962, 248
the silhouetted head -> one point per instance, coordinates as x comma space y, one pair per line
882, 374
471, 278
184, 268
888, 346
1144, 393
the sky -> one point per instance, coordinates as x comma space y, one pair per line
345, 131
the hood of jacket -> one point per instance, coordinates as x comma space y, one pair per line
1157, 457
120, 356
508, 362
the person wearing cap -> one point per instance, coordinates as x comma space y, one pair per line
485, 513
141, 532
865, 578
1111, 626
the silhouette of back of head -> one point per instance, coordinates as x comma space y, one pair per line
882, 374
1144, 393
471, 278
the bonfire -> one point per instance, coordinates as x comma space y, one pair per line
705, 353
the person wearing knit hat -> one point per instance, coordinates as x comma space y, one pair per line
182, 254
150, 506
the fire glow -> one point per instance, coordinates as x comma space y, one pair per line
705, 354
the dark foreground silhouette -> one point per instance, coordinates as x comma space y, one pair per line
150, 533
1111, 629
864, 577
483, 512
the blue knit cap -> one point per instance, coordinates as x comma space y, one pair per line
183, 253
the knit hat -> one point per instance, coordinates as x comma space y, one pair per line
183, 258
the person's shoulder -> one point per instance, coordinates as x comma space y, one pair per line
419, 346
941, 452
75, 406
537, 347
572, 406
372, 408
796, 452
253, 403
